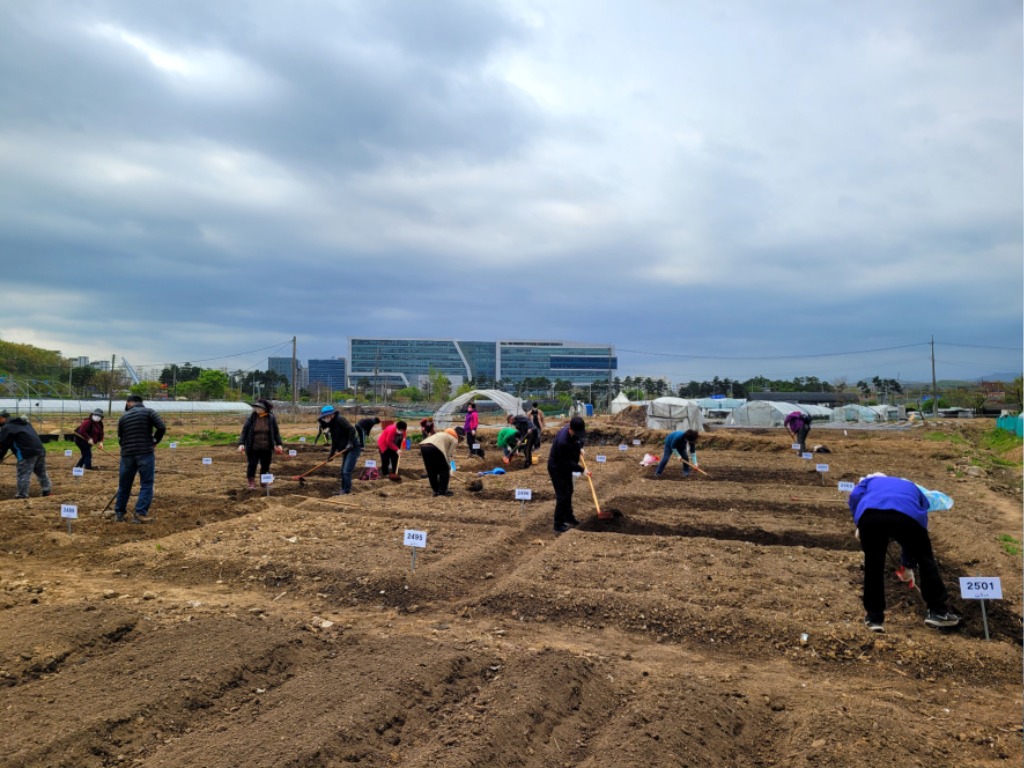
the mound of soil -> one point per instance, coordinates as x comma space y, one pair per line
716, 622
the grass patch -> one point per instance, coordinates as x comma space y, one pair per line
1011, 546
948, 437
205, 437
1000, 441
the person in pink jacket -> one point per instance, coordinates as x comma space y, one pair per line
470, 425
390, 443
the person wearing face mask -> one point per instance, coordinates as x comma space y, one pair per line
260, 440
88, 434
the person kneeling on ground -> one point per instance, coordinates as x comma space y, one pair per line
438, 451
887, 508
679, 441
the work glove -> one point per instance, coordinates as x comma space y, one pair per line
278, 450
91, 442
694, 460
241, 449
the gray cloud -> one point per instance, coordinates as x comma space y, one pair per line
197, 179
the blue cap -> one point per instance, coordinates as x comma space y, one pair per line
326, 409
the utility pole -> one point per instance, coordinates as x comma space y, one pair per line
110, 386
935, 389
295, 381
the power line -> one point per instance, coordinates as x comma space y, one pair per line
771, 357
275, 347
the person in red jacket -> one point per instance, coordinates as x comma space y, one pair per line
88, 434
390, 445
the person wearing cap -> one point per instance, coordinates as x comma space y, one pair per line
87, 434
887, 508
18, 437
683, 442
260, 440
138, 433
563, 461
438, 451
390, 445
344, 440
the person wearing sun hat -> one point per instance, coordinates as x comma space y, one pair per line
344, 440
260, 439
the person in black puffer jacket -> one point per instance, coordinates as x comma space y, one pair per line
138, 432
18, 436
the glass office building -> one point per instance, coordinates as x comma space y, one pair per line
330, 372
407, 362
283, 366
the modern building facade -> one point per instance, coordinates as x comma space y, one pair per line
408, 362
283, 366
330, 372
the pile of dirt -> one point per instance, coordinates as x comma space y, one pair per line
631, 415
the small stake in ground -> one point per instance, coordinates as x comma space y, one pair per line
69, 512
821, 469
523, 495
266, 480
981, 588
415, 540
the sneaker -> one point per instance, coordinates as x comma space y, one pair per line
47, 493
21, 497
139, 520
119, 518
252, 485
572, 521
941, 620
446, 493
874, 625
561, 527
906, 575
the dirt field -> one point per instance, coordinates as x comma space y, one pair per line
246, 629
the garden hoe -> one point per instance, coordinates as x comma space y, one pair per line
694, 466
600, 515
393, 477
302, 478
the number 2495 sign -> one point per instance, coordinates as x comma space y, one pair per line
415, 538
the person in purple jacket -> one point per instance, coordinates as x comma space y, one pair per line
798, 424
887, 508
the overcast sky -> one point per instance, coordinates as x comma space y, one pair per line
709, 186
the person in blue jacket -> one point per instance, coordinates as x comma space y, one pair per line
679, 441
887, 508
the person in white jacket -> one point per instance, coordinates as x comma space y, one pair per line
438, 450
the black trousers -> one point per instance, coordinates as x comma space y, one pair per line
258, 457
86, 449
562, 483
388, 462
438, 470
877, 527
